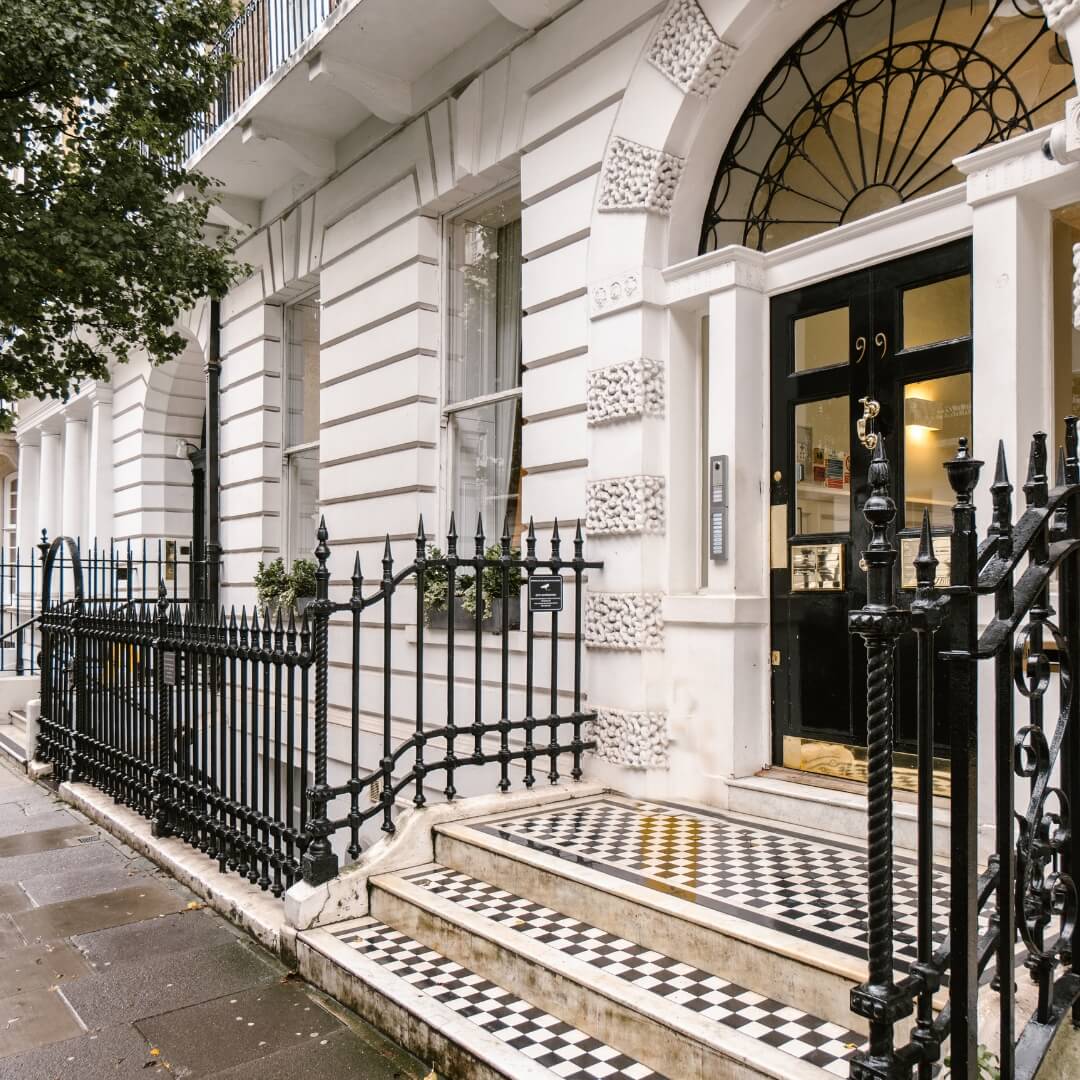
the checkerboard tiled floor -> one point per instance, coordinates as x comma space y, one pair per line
789, 1029
562, 1049
812, 889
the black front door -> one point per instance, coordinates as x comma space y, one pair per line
890, 347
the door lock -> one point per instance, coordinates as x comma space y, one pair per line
871, 408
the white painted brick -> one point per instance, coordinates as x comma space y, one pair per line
417, 421
406, 333
383, 473
259, 322
372, 517
417, 236
564, 214
414, 284
366, 391
554, 387
555, 331
583, 87
555, 441
575, 151
251, 430
558, 274
550, 494
391, 205
252, 359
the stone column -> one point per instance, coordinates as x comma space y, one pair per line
73, 505
27, 521
100, 488
50, 481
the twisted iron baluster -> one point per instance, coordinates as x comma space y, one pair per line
320, 862
879, 623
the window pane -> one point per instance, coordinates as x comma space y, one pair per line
302, 372
486, 468
822, 467
937, 414
485, 302
302, 477
822, 340
937, 312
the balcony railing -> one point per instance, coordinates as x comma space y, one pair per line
260, 40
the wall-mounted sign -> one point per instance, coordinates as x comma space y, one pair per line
909, 549
545, 593
168, 668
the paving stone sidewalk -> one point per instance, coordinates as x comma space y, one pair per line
110, 968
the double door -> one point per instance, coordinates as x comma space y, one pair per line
883, 353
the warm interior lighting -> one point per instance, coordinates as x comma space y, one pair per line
922, 413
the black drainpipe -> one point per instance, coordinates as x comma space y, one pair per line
213, 423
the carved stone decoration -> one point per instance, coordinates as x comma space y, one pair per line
630, 621
625, 504
636, 740
1076, 286
637, 177
624, 392
1059, 11
688, 51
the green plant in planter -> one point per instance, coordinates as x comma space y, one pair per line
437, 583
280, 588
491, 582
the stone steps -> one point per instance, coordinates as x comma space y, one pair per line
466, 1026
13, 738
675, 1018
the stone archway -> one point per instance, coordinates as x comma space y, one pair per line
687, 93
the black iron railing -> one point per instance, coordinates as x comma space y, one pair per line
217, 726
258, 42
1025, 899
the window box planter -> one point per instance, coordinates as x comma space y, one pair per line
465, 620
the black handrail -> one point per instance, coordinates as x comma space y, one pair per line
1028, 890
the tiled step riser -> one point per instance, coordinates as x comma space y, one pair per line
808, 808
639, 1034
430, 1044
823, 993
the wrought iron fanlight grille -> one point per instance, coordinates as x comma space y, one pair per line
871, 107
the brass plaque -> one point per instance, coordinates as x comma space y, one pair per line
778, 536
909, 549
817, 567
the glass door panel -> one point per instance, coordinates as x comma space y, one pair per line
940, 311
822, 340
823, 467
937, 415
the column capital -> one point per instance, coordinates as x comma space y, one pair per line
100, 394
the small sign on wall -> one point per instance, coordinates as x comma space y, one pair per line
168, 668
545, 593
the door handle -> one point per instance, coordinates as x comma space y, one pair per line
871, 408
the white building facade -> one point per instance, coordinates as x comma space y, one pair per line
629, 263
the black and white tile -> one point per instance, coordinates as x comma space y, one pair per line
793, 1031
559, 1047
812, 889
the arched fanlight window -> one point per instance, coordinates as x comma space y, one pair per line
872, 106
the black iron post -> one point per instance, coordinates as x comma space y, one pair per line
320, 863
879, 624
213, 450
927, 613
163, 725
963, 473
